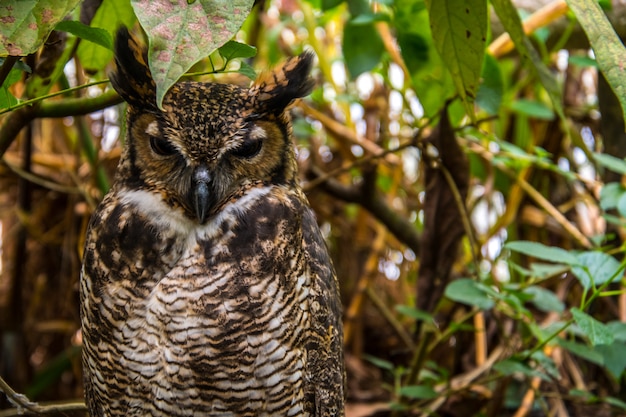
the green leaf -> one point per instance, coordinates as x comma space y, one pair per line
415, 50
545, 300
459, 29
363, 48
511, 21
545, 271
597, 333
233, 49
511, 366
247, 70
418, 392
96, 35
547, 364
583, 395
359, 7
607, 47
109, 17
610, 162
540, 251
621, 205
468, 292
614, 358
431, 81
491, 90
618, 329
582, 61
533, 109
6, 98
414, 313
27, 24
381, 363
181, 34
367, 18
329, 4
596, 268
610, 195
615, 402
581, 350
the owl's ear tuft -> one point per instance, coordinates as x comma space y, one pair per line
131, 77
275, 90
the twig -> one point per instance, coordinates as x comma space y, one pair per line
17, 399
46, 408
35, 100
397, 326
542, 17
78, 106
356, 304
41, 181
338, 130
25, 406
401, 228
462, 382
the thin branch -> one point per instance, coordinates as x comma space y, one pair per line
25, 406
462, 382
401, 228
78, 106
391, 319
46, 96
42, 181
17, 119
542, 17
46, 408
345, 133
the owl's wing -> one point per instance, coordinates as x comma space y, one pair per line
325, 349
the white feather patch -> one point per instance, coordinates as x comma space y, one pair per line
153, 129
159, 212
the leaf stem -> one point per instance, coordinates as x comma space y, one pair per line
32, 101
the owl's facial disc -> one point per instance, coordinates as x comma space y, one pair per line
202, 194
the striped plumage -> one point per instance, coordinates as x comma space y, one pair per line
206, 288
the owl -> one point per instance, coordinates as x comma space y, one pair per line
206, 287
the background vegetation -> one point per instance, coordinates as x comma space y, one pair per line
464, 158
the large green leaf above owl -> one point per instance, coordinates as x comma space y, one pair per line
181, 33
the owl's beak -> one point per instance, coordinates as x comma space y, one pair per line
202, 197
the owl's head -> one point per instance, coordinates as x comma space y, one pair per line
211, 142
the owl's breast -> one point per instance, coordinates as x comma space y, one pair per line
221, 339
205, 320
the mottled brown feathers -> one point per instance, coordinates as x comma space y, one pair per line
131, 78
206, 287
276, 89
